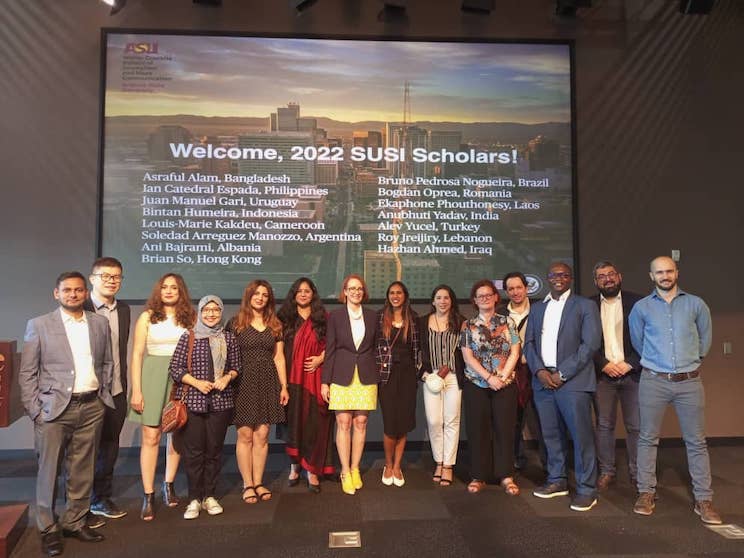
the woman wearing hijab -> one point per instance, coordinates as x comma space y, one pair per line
215, 361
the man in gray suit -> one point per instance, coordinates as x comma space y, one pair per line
65, 380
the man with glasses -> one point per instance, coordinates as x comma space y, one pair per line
105, 279
618, 368
563, 333
672, 331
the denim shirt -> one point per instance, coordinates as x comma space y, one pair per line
671, 336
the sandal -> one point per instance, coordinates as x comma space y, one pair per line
264, 496
476, 486
444, 481
249, 498
510, 487
437, 477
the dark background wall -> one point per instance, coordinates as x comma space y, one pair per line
659, 123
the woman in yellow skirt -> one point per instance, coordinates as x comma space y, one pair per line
350, 376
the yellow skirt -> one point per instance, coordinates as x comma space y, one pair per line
354, 397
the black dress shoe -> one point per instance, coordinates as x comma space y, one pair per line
85, 534
51, 543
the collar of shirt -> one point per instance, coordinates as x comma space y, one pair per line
561, 298
68, 319
511, 309
611, 300
98, 304
655, 294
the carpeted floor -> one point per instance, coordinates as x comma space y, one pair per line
419, 519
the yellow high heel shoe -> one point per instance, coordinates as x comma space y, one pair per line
347, 484
356, 478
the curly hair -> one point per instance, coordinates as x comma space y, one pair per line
290, 317
185, 313
483, 283
244, 317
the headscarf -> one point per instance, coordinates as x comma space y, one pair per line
215, 334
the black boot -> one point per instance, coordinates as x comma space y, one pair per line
169, 495
148, 507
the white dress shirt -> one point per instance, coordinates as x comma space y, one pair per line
611, 310
551, 324
78, 336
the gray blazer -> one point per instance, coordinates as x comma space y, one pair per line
47, 372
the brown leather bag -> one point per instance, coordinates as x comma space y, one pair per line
174, 413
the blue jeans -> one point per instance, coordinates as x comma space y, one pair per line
609, 390
574, 410
688, 399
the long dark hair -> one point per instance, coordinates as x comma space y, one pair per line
245, 314
185, 313
454, 318
291, 318
387, 312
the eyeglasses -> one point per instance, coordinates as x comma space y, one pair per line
559, 275
605, 276
106, 277
488, 296
355, 289
211, 310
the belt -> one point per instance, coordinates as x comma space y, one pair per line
84, 397
677, 376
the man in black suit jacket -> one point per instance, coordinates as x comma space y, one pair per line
618, 367
105, 279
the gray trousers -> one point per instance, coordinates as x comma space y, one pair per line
72, 436
609, 391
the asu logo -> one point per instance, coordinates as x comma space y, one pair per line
141, 48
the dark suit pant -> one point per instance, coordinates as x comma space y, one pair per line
527, 416
609, 390
202, 440
574, 410
72, 436
489, 423
108, 448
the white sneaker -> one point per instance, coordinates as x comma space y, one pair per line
192, 510
212, 506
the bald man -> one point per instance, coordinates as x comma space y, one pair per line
671, 330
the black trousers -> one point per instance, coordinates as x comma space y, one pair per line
108, 448
201, 441
490, 417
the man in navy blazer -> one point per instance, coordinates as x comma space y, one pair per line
65, 381
563, 333
618, 367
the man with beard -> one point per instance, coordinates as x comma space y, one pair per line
672, 331
65, 380
563, 333
618, 367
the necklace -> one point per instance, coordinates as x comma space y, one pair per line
353, 315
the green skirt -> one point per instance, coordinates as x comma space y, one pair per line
156, 387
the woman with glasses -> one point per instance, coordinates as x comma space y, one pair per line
168, 314
204, 364
441, 357
398, 359
261, 391
309, 422
490, 347
350, 376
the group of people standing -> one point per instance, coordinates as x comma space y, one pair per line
547, 365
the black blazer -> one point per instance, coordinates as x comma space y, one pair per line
124, 314
341, 354
423, 328
631, 355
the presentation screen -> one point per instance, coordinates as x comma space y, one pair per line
233, 158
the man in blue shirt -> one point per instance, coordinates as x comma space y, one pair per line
671, 329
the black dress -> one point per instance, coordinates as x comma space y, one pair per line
258, 387
398, 395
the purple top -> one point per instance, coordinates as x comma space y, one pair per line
202, 368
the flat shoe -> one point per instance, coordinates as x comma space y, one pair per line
387, 481
510, 487
476, 486
249, 498
264, 496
